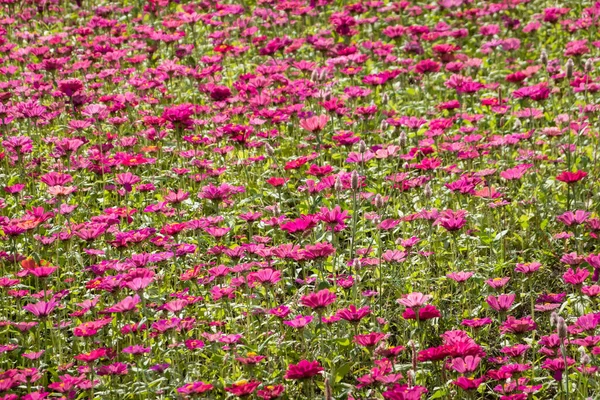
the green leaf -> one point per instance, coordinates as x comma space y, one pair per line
342, 371
500, 235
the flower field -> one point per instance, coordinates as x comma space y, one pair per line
299, 199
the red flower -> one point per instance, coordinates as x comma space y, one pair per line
195, 388
242, 388
270, 392
303, 370
425, 313
571, 177
370, 339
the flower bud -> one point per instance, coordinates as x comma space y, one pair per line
553, 318
323, 75
544, 57
585, 359
314, 75
402, 139
338, 186
328, 390
518, 124
589, 65
362, 146
354, 181
569, 67
561, 328
269, 149
379, 203
427, 192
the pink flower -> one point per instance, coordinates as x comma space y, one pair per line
300, 321
501, 303
413, 300
465, 365
528, 268
127, 304
195, 388
497, 283
314, 124
461, 276
571, 218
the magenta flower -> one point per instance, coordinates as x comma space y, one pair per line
300, 321
576, 277
370, 339
41, 309
319, 300
129, 303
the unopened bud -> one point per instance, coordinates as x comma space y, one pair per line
410, 376
384, 125
354, 181
544, 57
269, 149
379, 203
402, 139
427, 192
518, 124
323, 75
328, 390
569, 67
561, 328
338, 186
585, 359
589, 65
553, 318
385, 98
499, 95
356, 264
362, 146
276, 210
314, 75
